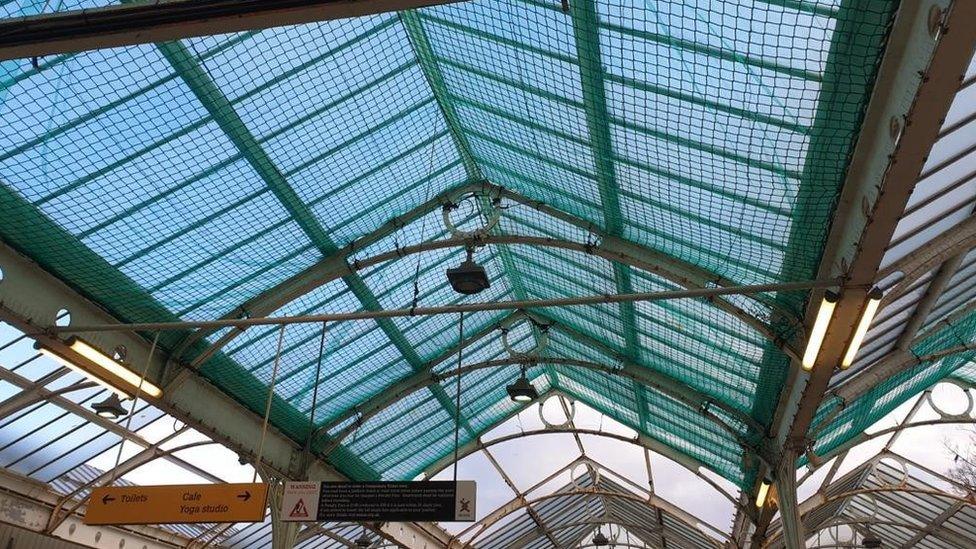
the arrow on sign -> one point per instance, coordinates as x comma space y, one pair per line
107, 498
245, 496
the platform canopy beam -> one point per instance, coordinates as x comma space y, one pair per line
166, 20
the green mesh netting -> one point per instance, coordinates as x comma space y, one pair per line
182, 180
664, 419
966, 374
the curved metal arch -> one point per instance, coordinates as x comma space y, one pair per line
971, 500
852, 521
143, 457
633, 527
345, 269
817, 461
897, 361
610, 247
618, 356
316, 529
30, 397
641, 441
648, 378
575, 492
597, 250
959, 239
617, 543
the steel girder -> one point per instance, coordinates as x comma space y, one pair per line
953, 242
897, 361
643, 376
170, 20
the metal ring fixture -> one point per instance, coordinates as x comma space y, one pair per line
967, 414
834, 531
120, 352
901, 464
591, 470
494, 214
569, 417
612, 535
872, 504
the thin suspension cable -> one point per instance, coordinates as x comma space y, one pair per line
315, 391
457, 403
267, 406
423, 225
454, 309
132, 409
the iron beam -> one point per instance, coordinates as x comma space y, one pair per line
646, 377
924, 307
685, 460
170, 20
511, 305
957, 240
786, 501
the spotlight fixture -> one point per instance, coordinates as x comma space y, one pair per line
871, 541
819, 331
110, 408
363, 540
522, 390
468, 278
600, 540
870, 308
102, 369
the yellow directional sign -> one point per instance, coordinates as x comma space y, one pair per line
189, 503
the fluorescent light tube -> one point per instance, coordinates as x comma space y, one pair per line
761, 496
867, 316
107, 365
819, 331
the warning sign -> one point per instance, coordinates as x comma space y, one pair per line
379, 501
300, 501
299, 511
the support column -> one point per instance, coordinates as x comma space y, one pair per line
789, 512
283, 534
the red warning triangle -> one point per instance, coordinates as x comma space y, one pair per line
299, 511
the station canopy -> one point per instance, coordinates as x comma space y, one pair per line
601, 147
